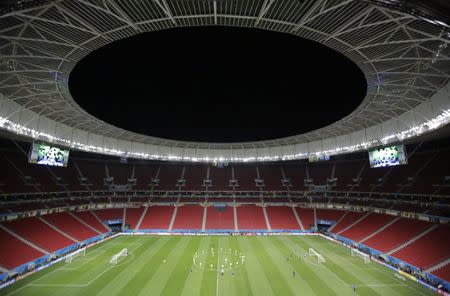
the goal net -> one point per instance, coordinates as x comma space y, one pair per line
319, 257
117, 256
76, 254
363, 256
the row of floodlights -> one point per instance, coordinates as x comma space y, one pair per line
434, 123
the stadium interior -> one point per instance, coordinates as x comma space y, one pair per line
93, 187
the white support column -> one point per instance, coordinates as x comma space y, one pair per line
144, 212
412, 240
58, 230
438, 266
84, 223
23, 240
354, 223
266, 217
338, 221
99, 220
124, 218
172, 220
297, 217
380, 230
236, 225
315, 218
205, 209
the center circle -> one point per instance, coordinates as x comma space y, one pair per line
217, 84
218, 259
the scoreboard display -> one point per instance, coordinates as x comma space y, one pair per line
387, 156
45, 154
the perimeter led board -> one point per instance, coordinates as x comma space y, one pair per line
387, 156
48, 155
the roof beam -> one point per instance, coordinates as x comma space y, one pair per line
265, 7
165, 7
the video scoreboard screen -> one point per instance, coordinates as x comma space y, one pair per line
387, 156
48, 155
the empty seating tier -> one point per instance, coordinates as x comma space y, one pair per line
15, 252
89, 218
189, 217
306, 217
443, 272
157, 217
41, 234
132, 217
282, 218
251, 217
348, 220
220, 218
395, 234
367, 226
70, 225
428, 250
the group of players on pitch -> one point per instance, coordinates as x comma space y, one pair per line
290, 257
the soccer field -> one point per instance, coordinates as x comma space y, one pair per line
187, 265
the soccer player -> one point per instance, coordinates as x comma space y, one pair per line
354, 287
293, 273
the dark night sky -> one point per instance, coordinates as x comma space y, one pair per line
217, 84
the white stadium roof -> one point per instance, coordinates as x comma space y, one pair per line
406, 61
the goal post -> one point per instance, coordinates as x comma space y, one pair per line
357, 253
78, 253
116, 257
319, 257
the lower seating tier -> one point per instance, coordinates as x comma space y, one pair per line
282, 218
251, 217
14, 252
189, 217
40, 233
395, 234
220, 218
157, 217
428, 250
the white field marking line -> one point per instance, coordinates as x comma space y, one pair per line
384, 272
343, 256
356, 266
84, 262
87, 284
29, 284
335, 275
79, 285
326, 268
397, 280
55, 285
218, 268
112, 266
40, 278
379, 285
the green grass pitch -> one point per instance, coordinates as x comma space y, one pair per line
187, 265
